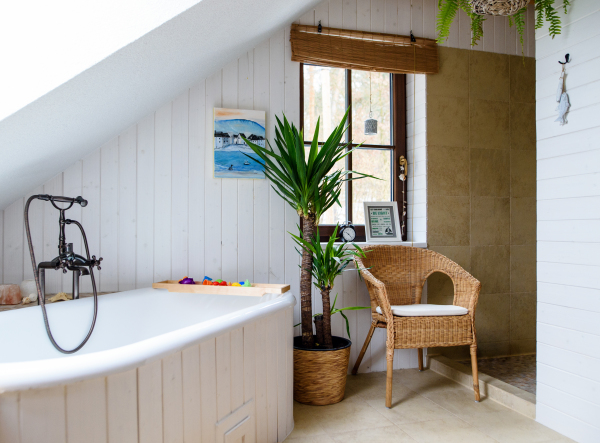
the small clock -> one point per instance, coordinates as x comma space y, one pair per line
347, 232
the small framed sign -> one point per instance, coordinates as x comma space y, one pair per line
382, 222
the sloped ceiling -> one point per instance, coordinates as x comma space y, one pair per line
68, 123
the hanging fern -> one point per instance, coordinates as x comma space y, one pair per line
545, 11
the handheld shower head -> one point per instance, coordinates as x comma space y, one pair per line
81, 201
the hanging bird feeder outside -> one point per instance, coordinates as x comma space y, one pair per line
370, 123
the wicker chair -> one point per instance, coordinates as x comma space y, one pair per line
395, 276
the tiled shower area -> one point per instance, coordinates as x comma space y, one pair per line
481, 201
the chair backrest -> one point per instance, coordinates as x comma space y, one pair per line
404, 269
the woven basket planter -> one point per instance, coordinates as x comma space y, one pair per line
497, 7
320, 374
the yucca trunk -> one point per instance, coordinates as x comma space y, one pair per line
327, 339
308, 229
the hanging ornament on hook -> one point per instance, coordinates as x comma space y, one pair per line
370, 123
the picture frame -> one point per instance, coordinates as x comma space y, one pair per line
382, 223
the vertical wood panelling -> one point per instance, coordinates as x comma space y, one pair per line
208, 387
229, 196
212, 186
281, 354
245, 224
36, 227
150, 402
179, 186
122, 407
277, 232
53, 186
9, 417
86, 411
223, 358
271, 374
192, 409
109, 213
260, 356
144, 261
172, 391
42, 415
197, 170
127, 208
261, 187
162, 193
90, 215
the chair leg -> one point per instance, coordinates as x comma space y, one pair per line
388, 380
364, 348
420, 352
475, 373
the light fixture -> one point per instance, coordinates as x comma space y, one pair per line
370, 123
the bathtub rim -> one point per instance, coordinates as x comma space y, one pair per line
36, 374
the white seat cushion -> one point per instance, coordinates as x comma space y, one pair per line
424, 310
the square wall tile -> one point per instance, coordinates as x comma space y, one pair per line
523, 310
522, 126
447, 173
490, 173
491, 318
489, 124
447, 121
453, 78
493, 349
522, 79
522, 347
448, 221
461, 255
522, 174
491, 266
523, 268
453, 352
490, 221
489, 76
523, 221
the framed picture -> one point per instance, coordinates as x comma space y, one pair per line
382, 222
230, 126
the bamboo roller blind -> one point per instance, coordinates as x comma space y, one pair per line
365, 51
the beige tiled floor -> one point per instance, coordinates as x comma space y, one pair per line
427, 407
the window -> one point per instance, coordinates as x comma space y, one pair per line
327, 93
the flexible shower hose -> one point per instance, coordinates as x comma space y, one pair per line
39, 290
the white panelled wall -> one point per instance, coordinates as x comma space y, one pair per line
156, 212
568, 239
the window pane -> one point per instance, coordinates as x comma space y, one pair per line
337, 213
380, 106
325, 97
375, 162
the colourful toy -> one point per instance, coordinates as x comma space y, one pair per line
207, 281
187, 281
235, 284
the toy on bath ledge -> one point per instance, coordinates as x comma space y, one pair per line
187, 281
207, 281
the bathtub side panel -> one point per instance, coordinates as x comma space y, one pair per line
208, 387
150, 404
261, 381
42, 415
192, 415
86, 411
122, 406
172, 398
282, 325
9, 418
272, 377
237, 368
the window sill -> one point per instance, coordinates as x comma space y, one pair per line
390, 243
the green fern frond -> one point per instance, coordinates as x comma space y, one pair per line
520, 25
476, 21
446, 12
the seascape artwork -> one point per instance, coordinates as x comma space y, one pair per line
230, 149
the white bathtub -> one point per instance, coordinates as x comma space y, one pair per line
159, 367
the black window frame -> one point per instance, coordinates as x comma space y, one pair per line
398, 147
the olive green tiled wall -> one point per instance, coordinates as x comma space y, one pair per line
481, 190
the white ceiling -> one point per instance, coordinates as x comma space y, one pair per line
66, 124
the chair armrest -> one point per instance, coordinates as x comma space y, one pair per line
376, 290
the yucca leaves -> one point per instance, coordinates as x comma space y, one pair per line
305, 182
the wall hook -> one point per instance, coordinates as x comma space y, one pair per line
412, 37
566, 60
320, 27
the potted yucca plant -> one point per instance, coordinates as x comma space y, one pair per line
307, 179
320, 373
